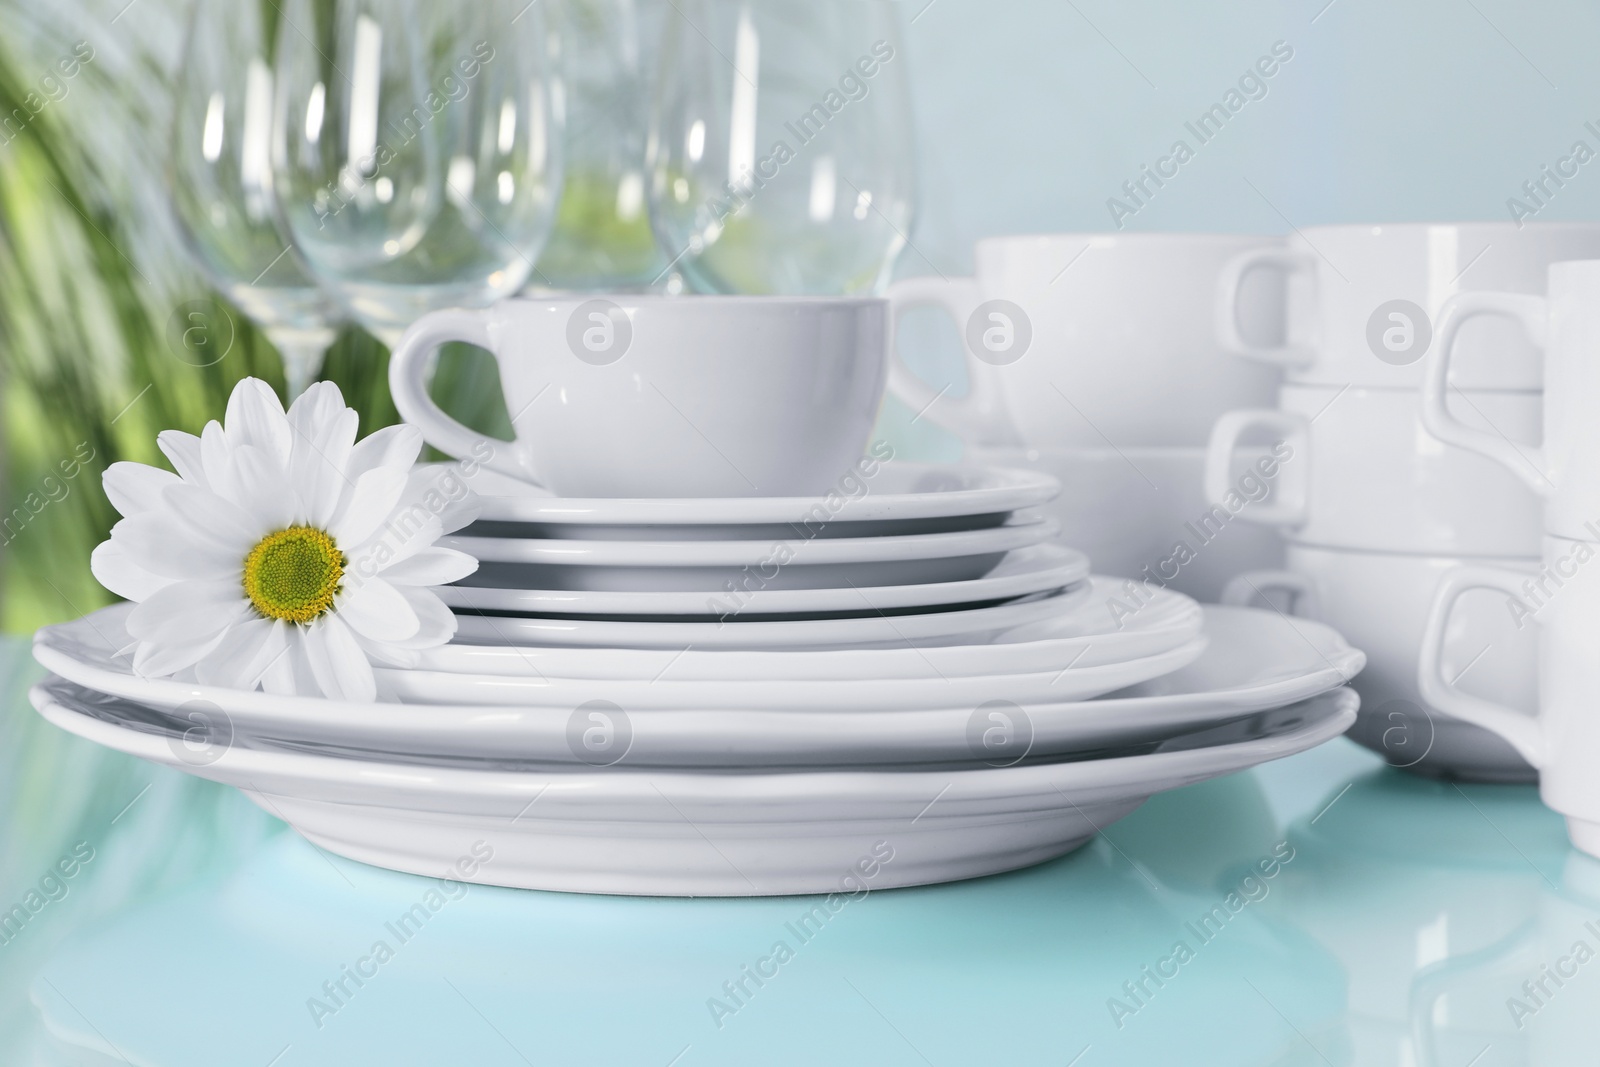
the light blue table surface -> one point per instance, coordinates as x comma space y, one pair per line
1399, 926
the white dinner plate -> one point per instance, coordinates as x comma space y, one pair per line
1252, 660
953, 625
1039, 569
915, 494
612, 830
1088, 636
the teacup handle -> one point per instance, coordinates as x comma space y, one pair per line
409, 368
1524, 733
1226, 311
979, 417
1243, 589
1525, 461
1291, 506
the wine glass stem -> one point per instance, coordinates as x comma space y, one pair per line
302, 359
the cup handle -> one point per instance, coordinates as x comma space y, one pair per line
1524, 733
408, 372
980, 417
1525, 461
1290, 507
1242, 589
1226, 309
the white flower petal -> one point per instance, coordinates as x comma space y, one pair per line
436, 622
216, 459
376, 609
431, 566
113, 568
136, 487
324, 435
445, 494
223, 521
367, 506
289, 674
188, 612
255, 417
392, 446
237, 661
338, 661
390, 656
183, 452
158, 660
163, 544
263, 489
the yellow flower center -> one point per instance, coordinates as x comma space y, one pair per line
293, 574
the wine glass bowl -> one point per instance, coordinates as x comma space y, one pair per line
416, 151
220, 181
780, 149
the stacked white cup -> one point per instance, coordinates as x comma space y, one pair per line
1091, 357
1374, 508
1555, 598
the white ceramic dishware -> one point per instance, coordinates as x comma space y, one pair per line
1558, 600
1090, 636
1564, 469
956, 625
1380, 603
1364, 300
643, 395
1359, 470
610, 830
1085, 340
1142, 512
734, 569
871, 499
1039, 569
1251, 661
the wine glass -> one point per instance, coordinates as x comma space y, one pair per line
220, 179
602, 238
780, 149
416, 151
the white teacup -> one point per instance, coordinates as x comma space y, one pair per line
1379, 601
1362, 473
1560, 600
664, 396
1565, 468
1363, 300
1092, 340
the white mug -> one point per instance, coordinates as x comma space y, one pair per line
1140, 513
1362, 473
1565, 468
664, 396
1363, 300
1090, 340
1560, 599
1380, 601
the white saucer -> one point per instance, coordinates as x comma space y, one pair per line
896, 492
1255, 660
952, 626
1089, 636
1039, 569
709, 566
612, 830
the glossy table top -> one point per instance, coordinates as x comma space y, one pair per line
1320, 910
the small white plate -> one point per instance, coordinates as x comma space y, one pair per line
953, 626
708, 566
895, 492
1091, 635
1026, 571
656, 832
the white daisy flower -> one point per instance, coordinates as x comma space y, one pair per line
283, 553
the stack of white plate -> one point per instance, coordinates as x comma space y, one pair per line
893, 686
